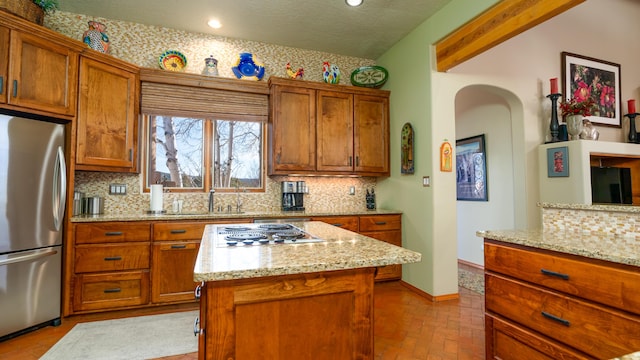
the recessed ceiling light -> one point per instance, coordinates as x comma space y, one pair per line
353, 2
214, 24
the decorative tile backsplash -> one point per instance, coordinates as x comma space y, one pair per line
142, 45
591, 219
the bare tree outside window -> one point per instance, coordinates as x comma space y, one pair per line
176, 153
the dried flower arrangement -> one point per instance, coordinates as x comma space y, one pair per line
49, 6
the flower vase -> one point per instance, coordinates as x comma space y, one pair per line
574, 126
96, 37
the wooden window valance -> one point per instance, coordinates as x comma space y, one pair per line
190, 95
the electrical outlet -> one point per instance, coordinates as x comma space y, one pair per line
426, 181
352, 190
117, 189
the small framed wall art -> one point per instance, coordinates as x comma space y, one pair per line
558, 162
471, 169
407, 150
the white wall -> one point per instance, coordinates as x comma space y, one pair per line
479, 111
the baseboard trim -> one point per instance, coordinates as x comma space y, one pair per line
428, 296
470, 264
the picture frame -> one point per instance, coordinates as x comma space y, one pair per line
558, 162
598, 79
471, 169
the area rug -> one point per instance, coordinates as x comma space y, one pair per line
470, 280
135, 338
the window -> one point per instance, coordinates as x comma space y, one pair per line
203, 132
188, 154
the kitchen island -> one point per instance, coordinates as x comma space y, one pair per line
570, 290
291, 301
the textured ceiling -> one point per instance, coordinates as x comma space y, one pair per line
366, 31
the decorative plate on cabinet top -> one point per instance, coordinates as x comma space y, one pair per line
369, 76
172, 60
247, 67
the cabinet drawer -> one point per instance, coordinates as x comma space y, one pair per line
111, 257
178, 231
389, 272
392, 237
380, 222
510, 341
614, 286
595, 330
344, 222
111, 232
108, 291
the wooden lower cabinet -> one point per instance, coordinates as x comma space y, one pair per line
106, 291
172, 271
551, 305
344, 222
326, 315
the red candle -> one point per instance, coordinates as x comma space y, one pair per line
632, 106
554, 85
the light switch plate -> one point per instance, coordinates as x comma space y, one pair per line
426, 181
117, 189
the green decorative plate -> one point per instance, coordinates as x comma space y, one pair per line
369, 76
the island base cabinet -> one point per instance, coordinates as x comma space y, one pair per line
305, 316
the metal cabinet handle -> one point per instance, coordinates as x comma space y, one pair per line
337, 224
114, 290
381, 223
178, 246
113, 233
196, 327
556, 318
198, 291
113, 258
178, 231
15, 88
1, 85
130, 154
357, 160
350, 160
556, 274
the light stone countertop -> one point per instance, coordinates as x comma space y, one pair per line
615, 248
222, 215
595, 207
341, 250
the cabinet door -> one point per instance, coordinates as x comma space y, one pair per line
335, 131
4, 63
42, 74
172, 271
292, 132
371, 135
107, 118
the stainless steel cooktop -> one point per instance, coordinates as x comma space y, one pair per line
262, 234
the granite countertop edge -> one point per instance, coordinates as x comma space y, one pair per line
223, 216
622, 249
340, 250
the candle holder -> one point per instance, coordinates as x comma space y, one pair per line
633, 135
554, 125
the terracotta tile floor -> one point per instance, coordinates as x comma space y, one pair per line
407, 326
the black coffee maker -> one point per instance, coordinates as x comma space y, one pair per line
292, 195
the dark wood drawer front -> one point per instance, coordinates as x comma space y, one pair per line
344, 222
178, 231
597, 331
108, 291
616, 287
111, 257
513, 342
111, 232
380, 222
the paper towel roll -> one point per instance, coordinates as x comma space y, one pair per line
156, 197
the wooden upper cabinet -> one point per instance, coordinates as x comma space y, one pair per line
330, 130
107, 130
371, 134
42, 75
292, 134
335, 131
4, 63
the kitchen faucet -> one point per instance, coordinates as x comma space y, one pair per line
211, 201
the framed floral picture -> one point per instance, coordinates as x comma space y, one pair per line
558, 162
598, 80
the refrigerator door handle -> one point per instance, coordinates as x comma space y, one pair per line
28, 257
59, 188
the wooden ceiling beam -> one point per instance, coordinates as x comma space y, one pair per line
501, 22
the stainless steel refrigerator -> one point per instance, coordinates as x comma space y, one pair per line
32, 201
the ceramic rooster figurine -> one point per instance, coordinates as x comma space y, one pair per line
330, 73
298, 74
